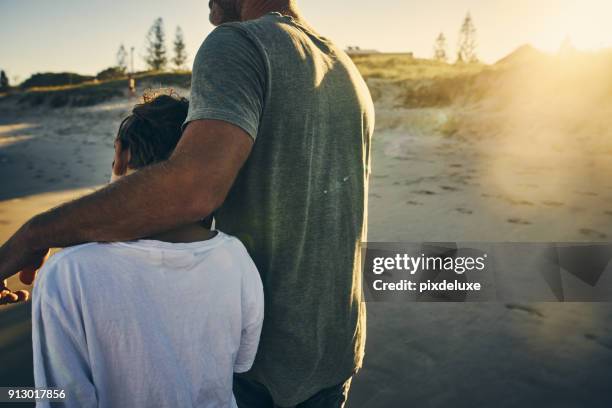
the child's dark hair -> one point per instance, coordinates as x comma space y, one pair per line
153, 129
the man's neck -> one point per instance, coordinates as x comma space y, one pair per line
185, 234
255, 9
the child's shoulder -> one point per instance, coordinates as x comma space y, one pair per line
66, 264
242, 260
236, 246
74, 255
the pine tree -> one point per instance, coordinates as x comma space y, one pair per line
156, 58
4, 81
467, 41
180, 55
440, 48
122, 59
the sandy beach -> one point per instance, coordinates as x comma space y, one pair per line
425, 186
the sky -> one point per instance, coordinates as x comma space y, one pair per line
83, 35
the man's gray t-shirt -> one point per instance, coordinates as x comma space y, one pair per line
299, 204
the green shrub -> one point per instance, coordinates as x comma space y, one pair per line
54, 79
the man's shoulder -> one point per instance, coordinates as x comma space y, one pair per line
266, 21
256, 31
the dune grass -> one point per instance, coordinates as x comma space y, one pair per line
422, 83
95, 92
403, 67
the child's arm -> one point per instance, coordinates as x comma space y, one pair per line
253, 315
58, 340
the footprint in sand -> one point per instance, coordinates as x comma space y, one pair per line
553, 203
425, 192
456, 165
4, 222
608, 213
464, 210
450, 188
591, 233
375, 195
411, 202
519, 202
524, 308
587, 193
604, 343
519, 221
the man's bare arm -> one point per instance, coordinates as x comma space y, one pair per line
187, 187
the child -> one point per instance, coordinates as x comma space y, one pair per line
159, 322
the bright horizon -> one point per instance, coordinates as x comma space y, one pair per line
83, 37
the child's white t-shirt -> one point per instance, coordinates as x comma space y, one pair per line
147, 323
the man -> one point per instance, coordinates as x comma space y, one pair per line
113, 322
278, 140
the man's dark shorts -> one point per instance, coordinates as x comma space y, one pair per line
251, 394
